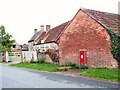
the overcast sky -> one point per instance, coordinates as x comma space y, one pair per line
20, 17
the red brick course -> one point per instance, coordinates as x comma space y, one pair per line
85, 33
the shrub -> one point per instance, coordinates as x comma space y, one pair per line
73, 65
40, 61
32, 61
67, 63
54, 55
82, 66
37, 61
25, 62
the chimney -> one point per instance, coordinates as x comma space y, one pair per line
42, 28
47, 28
35, 31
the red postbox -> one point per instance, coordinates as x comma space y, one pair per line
82, 56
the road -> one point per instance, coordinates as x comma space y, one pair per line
23, 78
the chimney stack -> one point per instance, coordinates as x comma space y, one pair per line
47, 28
42, 28
35, 31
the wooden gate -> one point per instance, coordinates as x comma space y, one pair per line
14, 56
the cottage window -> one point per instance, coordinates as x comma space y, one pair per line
14, 46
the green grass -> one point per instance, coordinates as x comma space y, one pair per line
38, 66
102, 73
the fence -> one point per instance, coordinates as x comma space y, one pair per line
19, 56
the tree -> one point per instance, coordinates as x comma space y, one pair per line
5, 40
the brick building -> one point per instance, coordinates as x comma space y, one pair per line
87, 30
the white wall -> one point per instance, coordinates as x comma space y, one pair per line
45, 47
27, 55
7, 57
33, 50
30, 46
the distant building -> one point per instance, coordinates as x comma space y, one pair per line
36, 34
14, 55
24, 47
49, 39
16, 47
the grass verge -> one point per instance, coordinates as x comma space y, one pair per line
102, 73
38, 66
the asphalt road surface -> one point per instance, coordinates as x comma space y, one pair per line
23, 78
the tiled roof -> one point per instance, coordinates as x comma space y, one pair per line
38, 39
52, 34
110, 20
35, 36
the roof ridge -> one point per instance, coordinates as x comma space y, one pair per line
98, 11
60, 25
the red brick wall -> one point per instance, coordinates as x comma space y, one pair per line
85, 33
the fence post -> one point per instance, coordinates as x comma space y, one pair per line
7, 57
21, 56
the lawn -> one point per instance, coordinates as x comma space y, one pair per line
102, 73
38, 66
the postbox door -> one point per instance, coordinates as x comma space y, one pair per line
82, 57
